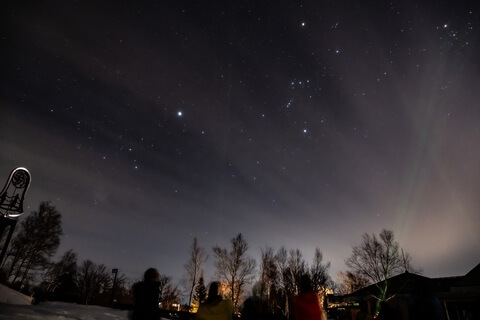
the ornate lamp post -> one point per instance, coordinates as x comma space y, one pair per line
11, 205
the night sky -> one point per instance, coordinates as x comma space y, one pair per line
297, 123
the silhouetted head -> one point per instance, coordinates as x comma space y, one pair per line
363, 306
213, 291
151, 275
305, 284
248, 311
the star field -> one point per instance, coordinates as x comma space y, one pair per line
303, 124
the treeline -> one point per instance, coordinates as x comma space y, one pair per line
276, 281
273, 282
28, 267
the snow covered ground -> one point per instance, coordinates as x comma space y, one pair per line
59, 310
15, 306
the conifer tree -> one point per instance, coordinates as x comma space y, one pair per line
200, 292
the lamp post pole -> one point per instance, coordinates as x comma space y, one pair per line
114, 271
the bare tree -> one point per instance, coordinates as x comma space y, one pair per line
378, 259
280, 275
61, 276
321, 280
193, 268
169, 294
34, 244
269, 279
121, 292
281, 260
236, 268
351, 281
296, 267
92, 280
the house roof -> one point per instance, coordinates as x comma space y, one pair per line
403, 283
472, 278
416, 284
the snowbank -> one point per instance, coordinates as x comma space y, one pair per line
60, 311
11, 296
15, 305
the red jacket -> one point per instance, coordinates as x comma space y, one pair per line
307, 307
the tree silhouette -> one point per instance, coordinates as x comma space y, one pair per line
235, 267
200, 292
169, 294
93, 279
321, 280
61, 276
351, 281
34, 244
377, 259
193, 268
269, 280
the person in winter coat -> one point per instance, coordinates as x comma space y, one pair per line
249, 310
146, 294
306, 305
215, 307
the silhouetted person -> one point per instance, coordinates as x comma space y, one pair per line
215, 307
363, 314
248, 310
146, 294
388, 313
306, 305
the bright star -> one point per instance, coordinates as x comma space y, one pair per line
179, 113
